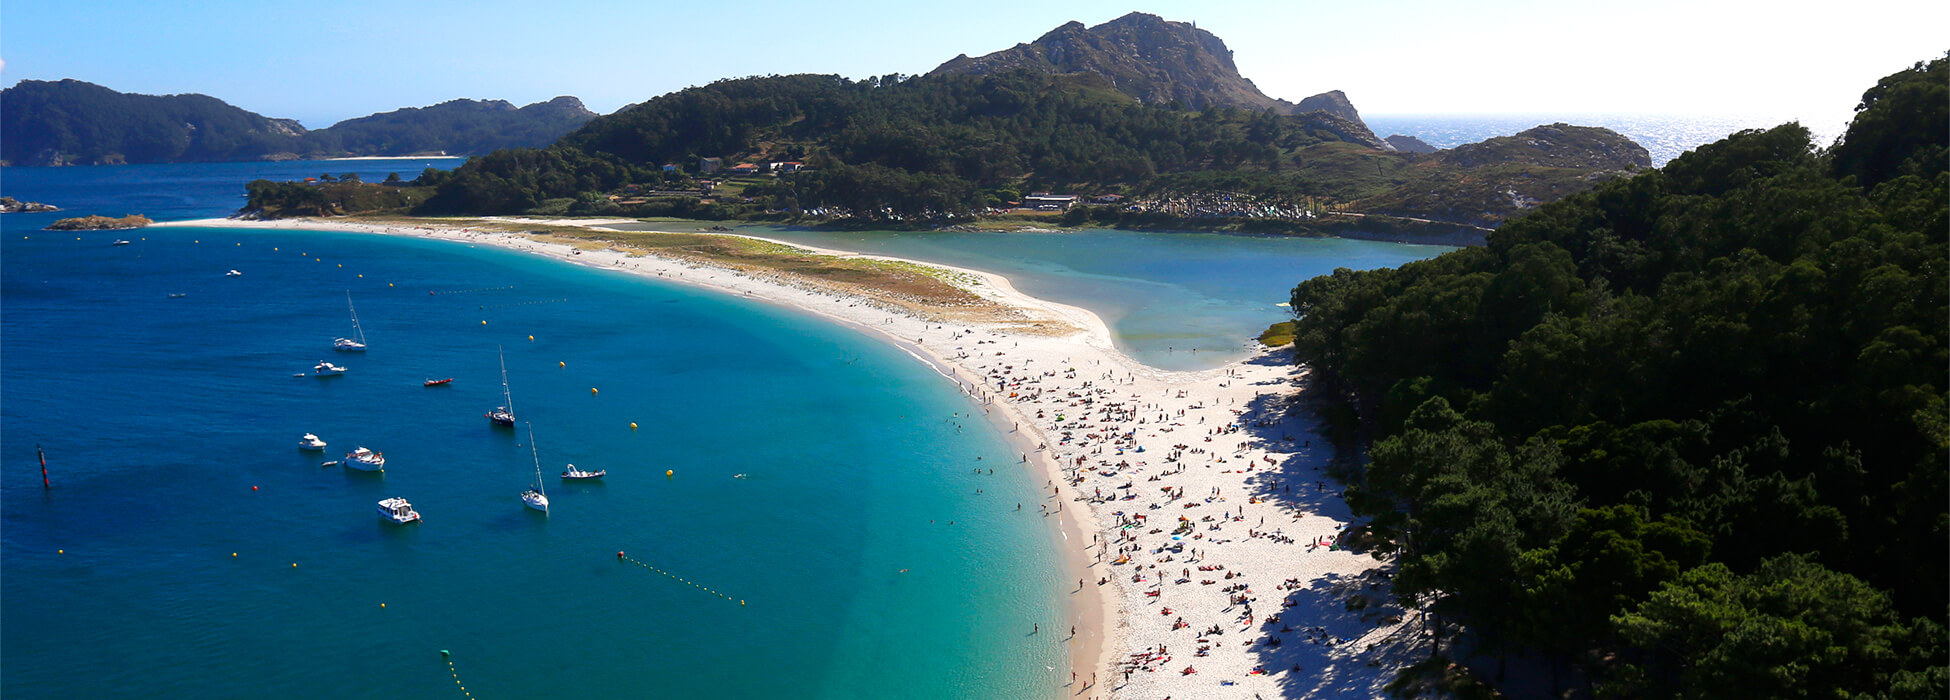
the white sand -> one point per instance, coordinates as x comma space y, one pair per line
1244, 481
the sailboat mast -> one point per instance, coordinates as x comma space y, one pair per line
538, 458
507, 399
356, 330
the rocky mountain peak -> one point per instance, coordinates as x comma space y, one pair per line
1156, 61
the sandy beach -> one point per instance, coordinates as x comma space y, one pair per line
1192, 508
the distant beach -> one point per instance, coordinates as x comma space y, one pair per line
1181, 500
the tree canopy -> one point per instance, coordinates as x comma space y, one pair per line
1687, 429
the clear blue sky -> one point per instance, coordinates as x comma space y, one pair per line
326, 61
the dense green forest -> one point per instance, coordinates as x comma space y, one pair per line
1685, 433
949, 145
71, 122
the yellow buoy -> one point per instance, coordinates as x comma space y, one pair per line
531, 339
633, 426
389, 284
563, 365
294, 565
382, 605
233, 554
592, 390
362, 276
670, 473
484, 323
60, 551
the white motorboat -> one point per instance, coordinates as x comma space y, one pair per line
364, 459
311, 442
399, 511
356, 343
573, 473
534, 497
119, 241
327, 369
504, 414
233, 273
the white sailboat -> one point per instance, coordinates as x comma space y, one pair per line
534, 497
357, 343
504, 414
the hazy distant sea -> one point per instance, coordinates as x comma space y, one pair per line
1666, 136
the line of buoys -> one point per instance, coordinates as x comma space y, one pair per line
449, 658
625, 557
470, 291
523, 303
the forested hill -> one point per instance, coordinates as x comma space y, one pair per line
455, 127
951, 145
1685, 433
71, 122
75, 123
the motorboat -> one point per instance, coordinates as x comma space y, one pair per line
327, 369
119, 241
439, 382
356, 343
364, 459
573, 473
311, 442
233, 273
399, 511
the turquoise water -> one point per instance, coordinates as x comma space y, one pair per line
159, 415
1172, 300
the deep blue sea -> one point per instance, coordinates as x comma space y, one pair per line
170, 427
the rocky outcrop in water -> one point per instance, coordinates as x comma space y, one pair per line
100, 223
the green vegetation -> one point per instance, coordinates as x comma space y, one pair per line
76, 123
337, 197
1686, 432
1277, 335
952, 146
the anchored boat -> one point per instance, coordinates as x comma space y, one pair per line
399, 511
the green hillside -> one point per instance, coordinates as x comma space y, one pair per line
1685, 433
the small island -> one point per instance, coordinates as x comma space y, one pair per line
9, 205
100, 223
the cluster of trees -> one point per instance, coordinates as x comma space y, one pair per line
1686, 432
332, 196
